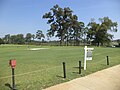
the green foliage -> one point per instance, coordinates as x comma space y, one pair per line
20, 39
7, 38
63, 24
39, 34
98, 32
13, 39
33, 37
118, 41
1, 41
28, 37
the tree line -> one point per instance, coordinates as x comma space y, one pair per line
65, 26
20, 39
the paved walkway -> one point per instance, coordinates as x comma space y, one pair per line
107, 79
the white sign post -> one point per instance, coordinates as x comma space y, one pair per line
87, 55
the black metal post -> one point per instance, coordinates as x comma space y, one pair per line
64, 70
79, 67
13, 80
107, 60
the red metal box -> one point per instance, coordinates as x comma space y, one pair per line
12, 63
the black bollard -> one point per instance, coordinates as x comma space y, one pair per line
107, 60
79, 67
13, 80
12, 63
64, 70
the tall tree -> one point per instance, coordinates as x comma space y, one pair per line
99, 31
92, 29
58, 19
63, 24
77, 28
39, 35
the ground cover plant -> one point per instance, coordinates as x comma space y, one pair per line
38, 69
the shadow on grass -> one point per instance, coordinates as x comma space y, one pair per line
75, 72
78, 67
8, 85
59, 76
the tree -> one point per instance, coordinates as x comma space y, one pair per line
63, 24
7, 39
92, 29
39, 35
13, 39
98, 32
59, 20
77, 29
118, 41
20, 39
33, 37
28, 37
1, 41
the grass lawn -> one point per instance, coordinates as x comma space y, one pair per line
38, 69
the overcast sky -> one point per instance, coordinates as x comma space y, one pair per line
25, 16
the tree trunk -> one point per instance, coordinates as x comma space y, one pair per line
67, 39
61, 41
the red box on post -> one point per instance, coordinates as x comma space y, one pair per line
12, 63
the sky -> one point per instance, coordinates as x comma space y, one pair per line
25, 16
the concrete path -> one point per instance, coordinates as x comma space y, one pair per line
107, 79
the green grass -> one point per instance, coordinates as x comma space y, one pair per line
36, 70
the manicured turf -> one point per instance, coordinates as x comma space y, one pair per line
38, 69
